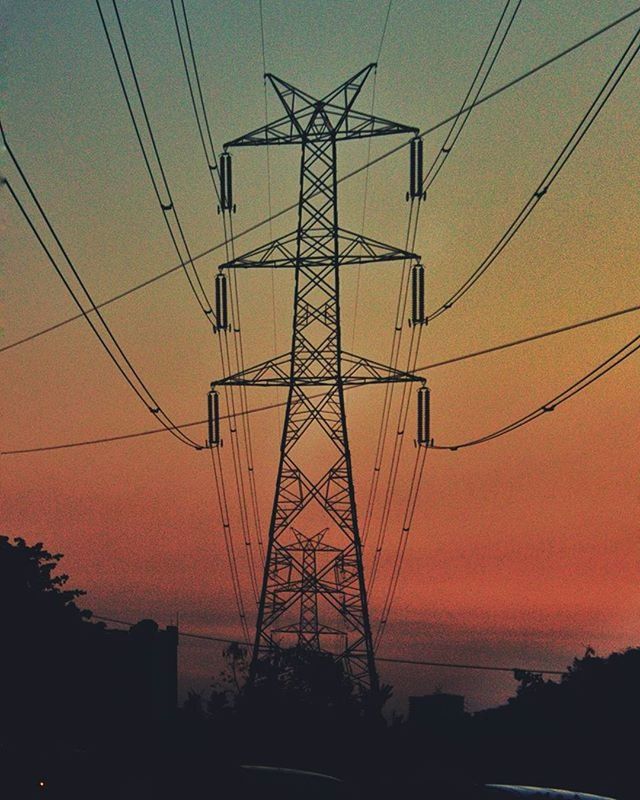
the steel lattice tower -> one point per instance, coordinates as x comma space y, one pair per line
313, 591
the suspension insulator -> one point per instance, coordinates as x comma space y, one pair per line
424, 416
417, 295
213, 407
415, 170
226, 186
222, 310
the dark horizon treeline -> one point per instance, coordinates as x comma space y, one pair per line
73, 717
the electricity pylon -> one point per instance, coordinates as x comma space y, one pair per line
313, 592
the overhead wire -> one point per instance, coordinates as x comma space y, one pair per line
614, 360
170, 206
575, 387
268, 168
480, 77
587, 120
105, 334
216, 464
242, 447
198, 110
242, 450
407, 522
365, 189
477, 85
385, 659
167, 205
396, 342
582, 383
239, 367
255, 226
271, 406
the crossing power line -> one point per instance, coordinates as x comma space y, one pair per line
614, 360
250, 229
231, 355
585, 123
269, 407
387, 659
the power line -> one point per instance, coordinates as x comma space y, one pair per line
186, 634
387, 659
407, 522
585, 123
365, 192
491, 95
167, 206
477, 85
446, 362
136, 383
449, 665
480, 77
209, 153
216, 464
526, 339
605, 92
242, 449
627, 350
268, 165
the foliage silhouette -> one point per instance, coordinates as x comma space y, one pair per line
57, 715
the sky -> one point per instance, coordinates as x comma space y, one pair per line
523, 550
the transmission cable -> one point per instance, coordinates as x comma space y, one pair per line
578, 386
473, 93
228, 539
209, 152
407, 521
365, 191
386, 659
255, 226
136, 383
268, 167
167, 206
389, 387
618, 357
486, 65
241, 449
271, 406
605, 92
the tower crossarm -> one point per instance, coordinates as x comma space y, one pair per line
356, 371
353, 249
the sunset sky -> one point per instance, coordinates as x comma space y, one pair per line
524, 550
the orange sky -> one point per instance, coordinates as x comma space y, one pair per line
524, 549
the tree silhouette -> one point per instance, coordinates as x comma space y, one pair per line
39, 624
29, 587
